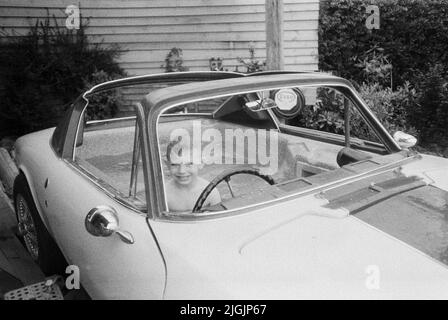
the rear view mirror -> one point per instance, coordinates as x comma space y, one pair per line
404, 140
260, 105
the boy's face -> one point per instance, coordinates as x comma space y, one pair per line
183, 171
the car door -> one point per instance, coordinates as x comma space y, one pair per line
127, 264
93, 172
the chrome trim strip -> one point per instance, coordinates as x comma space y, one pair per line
111, 120
188, 217
186, 114
78, 127
135, 160
84, 173
151, 205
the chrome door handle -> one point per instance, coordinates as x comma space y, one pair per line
102, 221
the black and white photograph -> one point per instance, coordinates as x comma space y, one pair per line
223, 153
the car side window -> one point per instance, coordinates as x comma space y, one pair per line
109, 151
325, 110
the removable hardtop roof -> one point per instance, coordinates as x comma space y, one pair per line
174, 95
189, 76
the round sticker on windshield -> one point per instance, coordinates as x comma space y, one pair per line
286, 99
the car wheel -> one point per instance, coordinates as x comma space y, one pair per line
38, 242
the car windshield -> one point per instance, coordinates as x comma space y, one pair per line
226, 153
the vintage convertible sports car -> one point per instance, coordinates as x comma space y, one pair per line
218, 185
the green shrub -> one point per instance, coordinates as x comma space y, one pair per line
375, 67
430, 115
104, 104
413, 35
392, 107
327, 114
45, 70
409, 50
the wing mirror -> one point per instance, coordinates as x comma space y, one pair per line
404, 140
102, 221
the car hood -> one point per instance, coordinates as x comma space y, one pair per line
298, 249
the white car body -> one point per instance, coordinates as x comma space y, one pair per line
297, 248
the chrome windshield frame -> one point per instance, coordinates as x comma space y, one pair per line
161, 211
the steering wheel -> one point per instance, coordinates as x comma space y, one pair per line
225, 176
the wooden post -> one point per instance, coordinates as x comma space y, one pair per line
274, 34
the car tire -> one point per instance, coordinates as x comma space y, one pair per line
38, 242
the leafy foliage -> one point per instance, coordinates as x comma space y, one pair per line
413, 35
47, 69
430, 114
104, 104
174, 61
392, 108
327, 114
253, 64
400, 69
375, 67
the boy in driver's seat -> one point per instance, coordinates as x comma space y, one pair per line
185, 187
